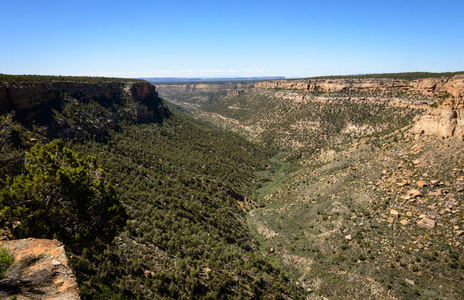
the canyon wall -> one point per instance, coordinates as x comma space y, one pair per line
77, 108
446, 118
28, 95
454, 86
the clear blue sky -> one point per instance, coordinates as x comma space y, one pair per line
180, 38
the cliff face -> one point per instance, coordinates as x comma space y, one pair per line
429, 86
26, 96
445, 120
442, 121
67, 108
448, 118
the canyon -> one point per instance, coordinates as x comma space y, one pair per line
443, 98
353, 186
366, 200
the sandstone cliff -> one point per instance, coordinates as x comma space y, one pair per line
444, 122
453, 86
41, 271
96, 106
27, 96
447, 119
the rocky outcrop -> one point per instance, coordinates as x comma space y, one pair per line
27, 96
235, 93
441, 122
41, 270
447, 119
453, 86
41, 103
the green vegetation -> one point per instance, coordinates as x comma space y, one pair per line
13, 142
6, 260
187, 235
183, 187
16, 79
60, 196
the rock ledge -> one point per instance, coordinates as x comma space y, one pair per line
41, 271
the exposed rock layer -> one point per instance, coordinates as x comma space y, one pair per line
445, 120
454, 86
442, 122
41, 271
29, 95
38, 102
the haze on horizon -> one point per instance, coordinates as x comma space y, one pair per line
183, 38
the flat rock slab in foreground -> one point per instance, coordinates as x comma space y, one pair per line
41, 270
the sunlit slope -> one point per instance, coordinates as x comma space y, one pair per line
357, 204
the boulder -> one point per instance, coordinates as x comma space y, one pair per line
394, 214
41, 267
409, 281
421, 183
414, 193
426, 223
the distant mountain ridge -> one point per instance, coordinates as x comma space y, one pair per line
199, 79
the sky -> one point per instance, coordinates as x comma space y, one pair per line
180, 38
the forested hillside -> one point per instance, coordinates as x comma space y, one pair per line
185, 188
174, 195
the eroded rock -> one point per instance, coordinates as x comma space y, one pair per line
41, 271
426, 223
414, 193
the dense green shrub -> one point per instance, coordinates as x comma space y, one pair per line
186, 189
14, 79
60, 196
